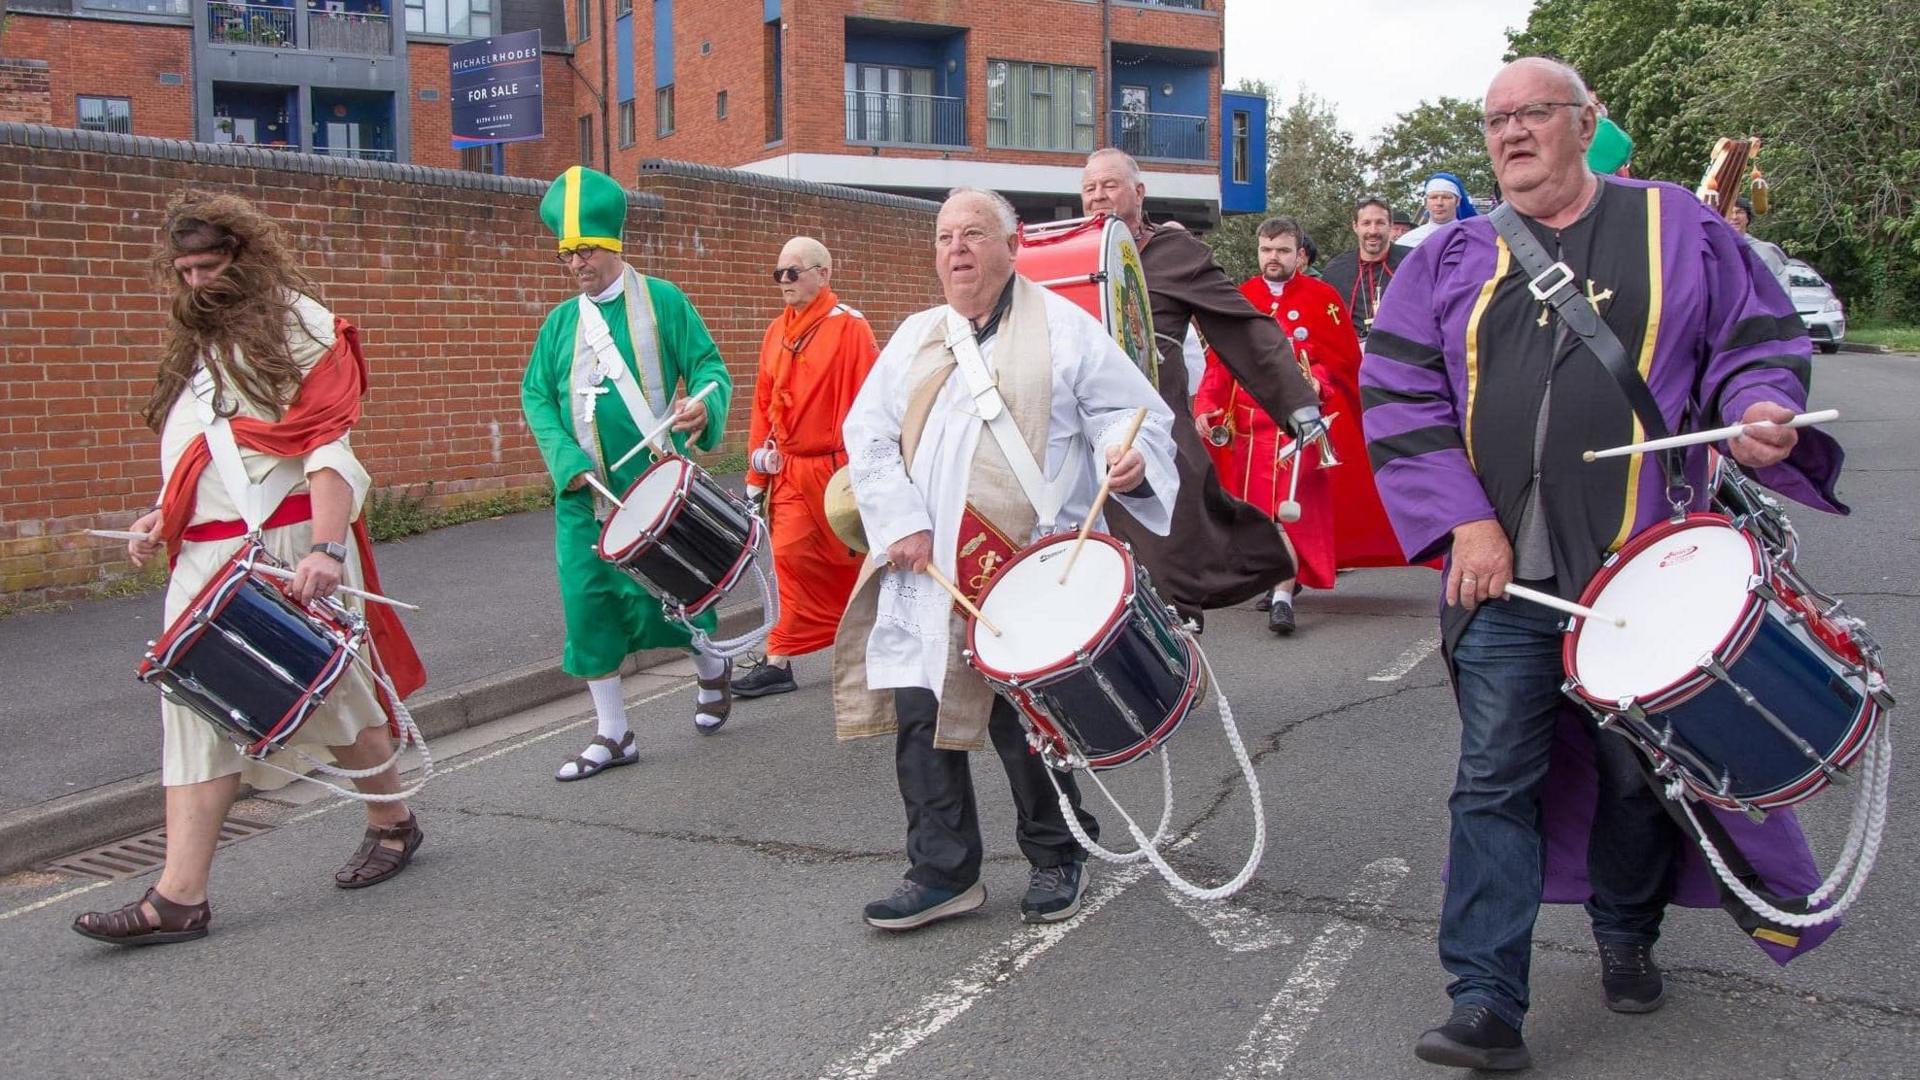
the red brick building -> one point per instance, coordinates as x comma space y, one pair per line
910, 96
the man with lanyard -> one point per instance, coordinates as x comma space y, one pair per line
258, 388
814, 357
1481, 397
984, 426
1360, 276
1222, 551
603, 371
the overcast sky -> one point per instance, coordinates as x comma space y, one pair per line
1373, 59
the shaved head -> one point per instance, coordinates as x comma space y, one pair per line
806, 251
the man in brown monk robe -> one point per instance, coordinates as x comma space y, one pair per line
1221, 551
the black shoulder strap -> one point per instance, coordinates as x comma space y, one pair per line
1556, 283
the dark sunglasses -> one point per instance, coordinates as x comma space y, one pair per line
787, 275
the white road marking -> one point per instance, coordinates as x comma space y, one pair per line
1407, 661
987, 973
1232, 926
54, 899
1293, 1011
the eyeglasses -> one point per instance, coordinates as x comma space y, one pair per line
583, 252
787, 275
1531, 115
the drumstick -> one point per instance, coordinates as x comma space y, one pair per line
1731, 431
1568, 606
288, 575
651, 438
1100, 497
961, 598
119, 534
595, 483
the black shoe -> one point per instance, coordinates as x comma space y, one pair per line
1280, 619
1054, 892
914, 905
1630, 979
1474, 1038
1265, 603
763, 679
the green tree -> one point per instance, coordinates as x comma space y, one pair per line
1314, 171
1435, 136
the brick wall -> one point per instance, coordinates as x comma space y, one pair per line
447, 273
26, 92
111, 59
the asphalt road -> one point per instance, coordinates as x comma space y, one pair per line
697, 916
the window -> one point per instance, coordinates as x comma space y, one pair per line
1039, 106
477, 159
888, 103
663, 110
720, 105
622, 7
775, 96
586, 140
450, 18
106, 114
143, 7
582, 19
1242, 148
626, 124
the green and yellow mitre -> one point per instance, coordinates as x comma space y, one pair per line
585, 208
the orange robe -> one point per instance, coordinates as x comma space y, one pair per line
812, 362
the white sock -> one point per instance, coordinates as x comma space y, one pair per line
708, 668
610, 721
1282, 596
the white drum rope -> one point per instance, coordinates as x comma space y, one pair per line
732, 648
1150, 846
1121, 858
1876, 768
409, 735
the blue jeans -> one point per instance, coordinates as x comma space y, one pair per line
1508, 672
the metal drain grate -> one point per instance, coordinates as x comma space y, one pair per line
142, 852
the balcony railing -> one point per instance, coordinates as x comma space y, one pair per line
356, 34
911, 119
367, 152
249, 24
1161, 135
1190, 5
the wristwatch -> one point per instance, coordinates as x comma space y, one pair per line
336, 552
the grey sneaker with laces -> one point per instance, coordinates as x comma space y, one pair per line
1054, 892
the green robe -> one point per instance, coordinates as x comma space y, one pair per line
608, 614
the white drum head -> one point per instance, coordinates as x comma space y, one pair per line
645, 505
1043, 622
1682, 596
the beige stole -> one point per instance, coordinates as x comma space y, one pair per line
1023, 369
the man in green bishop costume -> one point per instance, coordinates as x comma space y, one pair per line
607, 366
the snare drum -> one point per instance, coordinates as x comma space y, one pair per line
1751, 508
1093, 262
682, 536
1725, 673
250, 660
1098, 669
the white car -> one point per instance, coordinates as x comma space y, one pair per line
1819, 308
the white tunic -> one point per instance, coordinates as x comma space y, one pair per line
193, 750
1096, 390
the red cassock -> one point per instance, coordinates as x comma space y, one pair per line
1248, 464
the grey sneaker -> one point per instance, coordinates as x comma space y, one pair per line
914, 905
1054, 892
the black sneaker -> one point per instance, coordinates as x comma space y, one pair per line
1054, 892
1280, 619
763, 679
1474, 1038
914, 905
1630, 979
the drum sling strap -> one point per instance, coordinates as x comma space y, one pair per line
1554, 282
597, 361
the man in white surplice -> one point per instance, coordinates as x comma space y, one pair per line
923, 455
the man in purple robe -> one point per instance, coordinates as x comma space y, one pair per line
1478, 403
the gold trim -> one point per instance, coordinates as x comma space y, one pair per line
1502, 263
1776, 937
1655, 292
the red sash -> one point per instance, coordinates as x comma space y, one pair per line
327, 407
981, 551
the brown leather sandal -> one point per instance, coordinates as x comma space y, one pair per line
129, 925
619, 753
719, 710
375, 862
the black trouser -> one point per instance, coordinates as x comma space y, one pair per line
943, 823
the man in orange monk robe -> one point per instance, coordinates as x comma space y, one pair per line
813, 359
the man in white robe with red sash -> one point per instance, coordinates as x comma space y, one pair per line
985, 424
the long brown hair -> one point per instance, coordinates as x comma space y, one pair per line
249, 307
